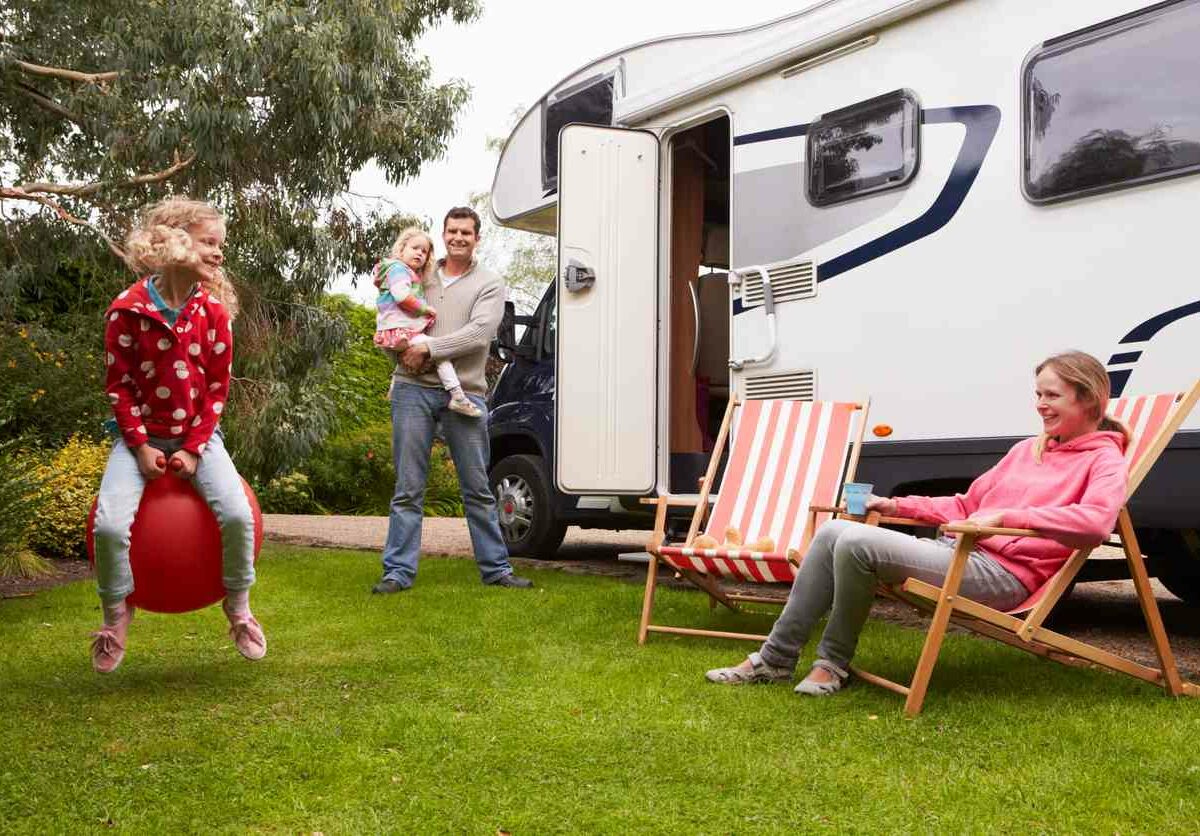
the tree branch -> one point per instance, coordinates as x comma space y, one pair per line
86, 189
69, 75
46, 103
18, 193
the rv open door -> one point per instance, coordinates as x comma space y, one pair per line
606, 390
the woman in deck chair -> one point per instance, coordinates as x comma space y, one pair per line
1068, 482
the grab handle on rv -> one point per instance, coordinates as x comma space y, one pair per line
772, 333
696, 336
578, 276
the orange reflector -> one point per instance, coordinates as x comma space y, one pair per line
882, 430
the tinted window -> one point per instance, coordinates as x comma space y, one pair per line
865, 148
592, 105
1114, 105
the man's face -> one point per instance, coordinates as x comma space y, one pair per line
460, 238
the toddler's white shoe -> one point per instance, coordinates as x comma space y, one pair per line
463, 406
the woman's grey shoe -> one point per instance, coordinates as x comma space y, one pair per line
759, 671
823, 689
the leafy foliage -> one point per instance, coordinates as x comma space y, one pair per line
290, 494
361, 373
50, 386
19, 492
69, 480
352, 473
264, 107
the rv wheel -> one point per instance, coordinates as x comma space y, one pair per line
1176, 561
524, 506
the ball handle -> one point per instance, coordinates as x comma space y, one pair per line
176, 464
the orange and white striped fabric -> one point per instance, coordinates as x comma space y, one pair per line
785, 456
1143, 416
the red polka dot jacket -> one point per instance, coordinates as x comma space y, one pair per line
163, 381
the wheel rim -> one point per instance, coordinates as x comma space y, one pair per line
515, 507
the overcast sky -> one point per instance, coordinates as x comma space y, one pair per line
511, 56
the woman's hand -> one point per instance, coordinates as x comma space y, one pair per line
992, 519
148, 459
188, 462
882, 504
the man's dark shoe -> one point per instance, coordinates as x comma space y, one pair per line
513, 581
387, 586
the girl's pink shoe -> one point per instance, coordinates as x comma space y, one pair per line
108, 643
247, 633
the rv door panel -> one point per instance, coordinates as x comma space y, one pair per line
605, 395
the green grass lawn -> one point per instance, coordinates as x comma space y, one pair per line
464, 709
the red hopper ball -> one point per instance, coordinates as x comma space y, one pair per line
175, 547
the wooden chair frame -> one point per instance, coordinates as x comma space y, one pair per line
701, 504
1028, 634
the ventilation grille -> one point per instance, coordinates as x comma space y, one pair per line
794, 385
795, 280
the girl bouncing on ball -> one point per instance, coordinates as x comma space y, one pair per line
168, 351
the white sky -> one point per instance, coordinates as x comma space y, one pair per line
511, 56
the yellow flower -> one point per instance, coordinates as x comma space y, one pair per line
12, 364
22, 333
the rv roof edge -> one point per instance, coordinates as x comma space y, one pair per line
874, 15
521, 196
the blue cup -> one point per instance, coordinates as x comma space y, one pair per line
855, 494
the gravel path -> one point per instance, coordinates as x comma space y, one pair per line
1104, 613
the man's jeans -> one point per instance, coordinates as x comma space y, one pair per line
121, 488
415, 411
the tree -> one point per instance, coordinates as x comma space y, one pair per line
264, 107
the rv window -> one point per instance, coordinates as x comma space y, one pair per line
863, 149
1114, 105
592, 105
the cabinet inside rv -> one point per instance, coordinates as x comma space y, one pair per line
699, 310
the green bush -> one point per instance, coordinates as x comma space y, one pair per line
352, 473
442, 495
19, 494
70, 480
290, 494
361, 373
51, 385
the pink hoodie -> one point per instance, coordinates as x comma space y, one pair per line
1073, 497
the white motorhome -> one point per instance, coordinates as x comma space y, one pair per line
912, 200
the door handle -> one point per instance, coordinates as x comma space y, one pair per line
578, 277
696, 335
769, 308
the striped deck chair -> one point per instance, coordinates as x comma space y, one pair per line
1152, 421
785, 456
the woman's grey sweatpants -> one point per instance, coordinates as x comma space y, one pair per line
846, 561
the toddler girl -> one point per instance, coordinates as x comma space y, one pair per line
403, 315
168, 351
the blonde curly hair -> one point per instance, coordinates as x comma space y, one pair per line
161, 240
406, 235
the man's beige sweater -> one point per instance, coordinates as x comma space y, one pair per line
468, 314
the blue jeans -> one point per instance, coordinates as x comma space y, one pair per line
415, 411
121, 489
